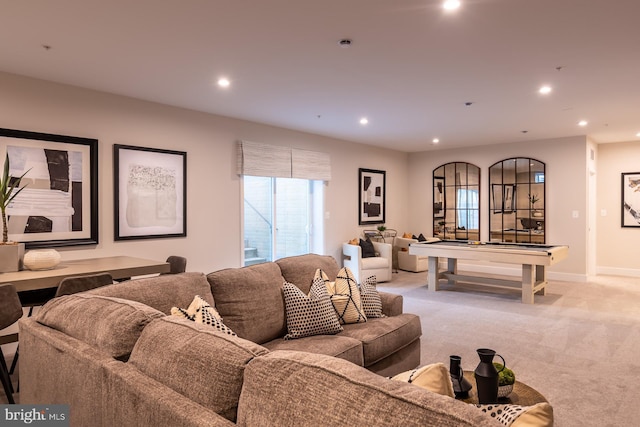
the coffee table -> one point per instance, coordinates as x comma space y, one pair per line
522, 394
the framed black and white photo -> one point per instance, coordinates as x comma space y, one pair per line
503, 198
438, 197
371, 196
59, 204
631, 199
150, 193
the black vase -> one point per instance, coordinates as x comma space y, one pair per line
487, 376
461, 385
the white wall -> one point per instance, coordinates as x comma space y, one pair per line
214, 207
566, 191
617, 249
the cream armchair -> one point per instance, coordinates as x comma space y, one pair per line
379, 266
409, 262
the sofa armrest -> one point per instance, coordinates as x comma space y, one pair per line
391, 303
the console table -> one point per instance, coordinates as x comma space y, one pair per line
119, 267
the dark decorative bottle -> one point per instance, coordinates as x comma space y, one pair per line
461, 385
487, 376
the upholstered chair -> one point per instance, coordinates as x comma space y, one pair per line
75, 284
177, 264
379, 265
10, 312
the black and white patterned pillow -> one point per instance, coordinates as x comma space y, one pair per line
540, 414
371, 302
200, 311
346, 298
311, 314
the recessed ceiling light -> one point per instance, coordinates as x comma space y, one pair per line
435, 140
638, 134
544, 90
223, 82
583, 123
364, 121
451, 4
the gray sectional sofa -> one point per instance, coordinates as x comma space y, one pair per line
116, 357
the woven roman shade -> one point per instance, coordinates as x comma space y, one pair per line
310, 165
257, 159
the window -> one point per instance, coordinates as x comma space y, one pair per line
282, 217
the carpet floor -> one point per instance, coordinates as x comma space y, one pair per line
579, 345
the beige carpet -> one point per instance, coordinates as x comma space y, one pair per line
579, 345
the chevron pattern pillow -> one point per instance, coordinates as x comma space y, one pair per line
200, 311
371, 302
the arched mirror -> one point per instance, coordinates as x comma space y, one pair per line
517, 201
456, 201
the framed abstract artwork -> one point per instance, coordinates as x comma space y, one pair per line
59, 203
371, 196
630, 199
150, 193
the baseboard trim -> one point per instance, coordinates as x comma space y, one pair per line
615, 271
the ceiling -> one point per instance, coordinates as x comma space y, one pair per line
411, 68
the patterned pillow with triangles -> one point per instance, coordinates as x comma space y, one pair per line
345, 296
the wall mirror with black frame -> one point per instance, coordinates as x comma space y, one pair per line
517, 201
456, 201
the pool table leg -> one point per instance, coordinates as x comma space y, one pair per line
433, 275
527, 283
541, 276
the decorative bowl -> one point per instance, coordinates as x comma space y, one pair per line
505, 390
44, 259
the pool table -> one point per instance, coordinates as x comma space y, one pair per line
534, 259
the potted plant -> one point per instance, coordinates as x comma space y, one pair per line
506, 379
533, 199
11, 252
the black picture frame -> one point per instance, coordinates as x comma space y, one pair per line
372, 195
503, 198
59, 206
630, 200
150, 193
439, 201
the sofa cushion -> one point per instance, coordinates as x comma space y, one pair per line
301, 269
309, 390
383, 337
332, 345
310, 314
186, 357
375, 262
345, 296
368, 251
250, 301
200, 311
538, 415
161, 292
434, 377
371, 301
112, 325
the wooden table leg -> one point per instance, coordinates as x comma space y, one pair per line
433, 275
527, 283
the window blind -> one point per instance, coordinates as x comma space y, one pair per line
258, 159
310, 165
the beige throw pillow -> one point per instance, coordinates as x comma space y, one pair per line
434, 377
345, 296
